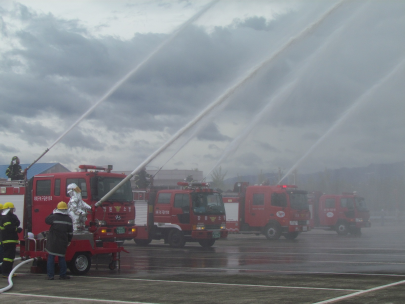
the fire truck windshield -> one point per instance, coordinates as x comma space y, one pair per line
298, 201
207, 203
361, 204
101, 185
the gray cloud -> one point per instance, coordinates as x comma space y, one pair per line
211, 132
8, 149
61, 69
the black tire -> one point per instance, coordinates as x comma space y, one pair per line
176, 239
272, 231
207, 243
112, 265
142, 242
342, 228
81, 263
291, 235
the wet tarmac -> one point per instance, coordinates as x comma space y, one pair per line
318, 267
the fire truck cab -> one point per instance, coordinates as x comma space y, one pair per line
269, 210
194, 213
114, 220
345, 213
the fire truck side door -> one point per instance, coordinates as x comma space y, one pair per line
278, 207
327, 211
181, 208
163, 207
43, 204
254, 209
347, 207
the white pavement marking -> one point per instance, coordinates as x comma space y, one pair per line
223, 284
266, 270
359, 293
70, 298
318, 261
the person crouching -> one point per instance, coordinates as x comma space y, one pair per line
59, 238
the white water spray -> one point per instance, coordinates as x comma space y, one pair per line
359, 102
234, 145
191, 136
131, 73
220, 102
281, 95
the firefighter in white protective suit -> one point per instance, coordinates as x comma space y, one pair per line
77, 208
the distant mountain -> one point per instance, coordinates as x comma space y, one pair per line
349, 175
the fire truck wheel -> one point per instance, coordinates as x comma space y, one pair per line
112, 265
291, 235
176, 239
80, 264
206, 243
142, 242
341, 228
272, 231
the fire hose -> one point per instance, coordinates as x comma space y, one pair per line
10, 281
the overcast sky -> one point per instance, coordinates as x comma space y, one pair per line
58, 58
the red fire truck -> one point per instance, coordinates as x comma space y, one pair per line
269, 210
107, 225
114, 221
194, 213
345, 213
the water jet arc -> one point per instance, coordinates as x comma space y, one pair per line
359, 102
128, 75
220, 100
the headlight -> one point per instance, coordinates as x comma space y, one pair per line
101, 223
199, 227
131, 222
293, 223
223, 226
359, 220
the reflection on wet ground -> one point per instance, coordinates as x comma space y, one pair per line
315, 251
317, 266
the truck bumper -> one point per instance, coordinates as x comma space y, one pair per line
119, 233
298, 228
210, 234
361, 225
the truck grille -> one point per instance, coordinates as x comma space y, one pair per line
217, 226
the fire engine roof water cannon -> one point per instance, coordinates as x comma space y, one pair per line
198, 186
